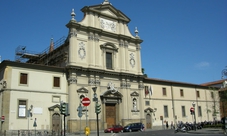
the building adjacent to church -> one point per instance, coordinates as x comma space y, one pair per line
101, 52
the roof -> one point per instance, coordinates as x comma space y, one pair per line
213, 82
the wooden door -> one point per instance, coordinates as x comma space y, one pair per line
110, 115
56, 123
148, 121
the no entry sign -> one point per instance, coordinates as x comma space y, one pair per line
86, 101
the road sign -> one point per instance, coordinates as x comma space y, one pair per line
79, 109
192, 109
86, 101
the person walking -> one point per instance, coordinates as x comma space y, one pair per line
167, 125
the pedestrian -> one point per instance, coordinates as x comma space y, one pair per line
172, 127
167, 125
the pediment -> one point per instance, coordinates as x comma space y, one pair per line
107, 11
53, 107
109, 94
134, 94
110, 46
148, 109
82, 90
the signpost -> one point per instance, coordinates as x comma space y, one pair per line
86, 102
80, 114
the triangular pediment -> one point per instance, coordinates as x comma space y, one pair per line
134, 94
82, 90
106, 11
53, 107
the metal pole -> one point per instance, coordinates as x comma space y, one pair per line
97, 120
86, 116
80, 125
64, 125
28, 121
195, 119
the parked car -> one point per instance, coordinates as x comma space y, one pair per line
134, 127
114, 129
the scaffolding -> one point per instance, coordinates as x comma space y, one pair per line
26, 56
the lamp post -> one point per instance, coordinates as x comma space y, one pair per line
95, 99
193, 104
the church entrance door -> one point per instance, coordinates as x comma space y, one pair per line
110, 114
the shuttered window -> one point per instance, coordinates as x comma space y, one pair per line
56, 81
23, 78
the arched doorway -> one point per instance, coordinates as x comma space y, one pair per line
148, 112
148, 121
56, 122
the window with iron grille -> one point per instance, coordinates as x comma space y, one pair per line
199, 111
183, 111
22, 106
166, 115
109, 61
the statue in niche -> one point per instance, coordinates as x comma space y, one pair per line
134, 104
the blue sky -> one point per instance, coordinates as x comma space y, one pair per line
184, 40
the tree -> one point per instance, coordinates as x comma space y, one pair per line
215, 102
223, 101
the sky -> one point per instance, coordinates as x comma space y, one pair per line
183, 40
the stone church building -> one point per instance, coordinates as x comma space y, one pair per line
99, 51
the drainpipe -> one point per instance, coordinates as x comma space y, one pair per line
173, 106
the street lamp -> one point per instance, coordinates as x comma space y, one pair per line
95, 99
193, 104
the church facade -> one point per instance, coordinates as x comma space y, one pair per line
100, 52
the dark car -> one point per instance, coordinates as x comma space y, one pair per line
114, 129
134, 127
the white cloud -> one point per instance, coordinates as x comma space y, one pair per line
203, 64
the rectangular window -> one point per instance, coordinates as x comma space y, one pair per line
56, 81
212, 94
166, 115
183, 111
23, 78
181, 92
109, 61
22, 108
197, 94
164, 91
199, 111
147, 103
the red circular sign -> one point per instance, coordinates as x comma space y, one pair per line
86, 101
192, 109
